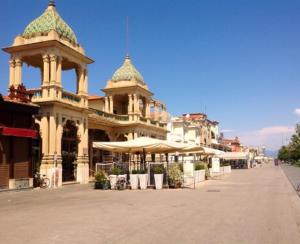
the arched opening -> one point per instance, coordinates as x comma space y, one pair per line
36, 150
97, 155
120, 104
69, 150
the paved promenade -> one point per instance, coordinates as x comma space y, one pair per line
248, 206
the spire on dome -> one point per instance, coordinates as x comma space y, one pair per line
51, 3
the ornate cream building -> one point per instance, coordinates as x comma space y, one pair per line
70, 122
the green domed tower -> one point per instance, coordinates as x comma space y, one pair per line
49, 20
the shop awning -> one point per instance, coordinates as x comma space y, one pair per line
235, 156
141, 144
18, 132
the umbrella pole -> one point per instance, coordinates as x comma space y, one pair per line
167, 174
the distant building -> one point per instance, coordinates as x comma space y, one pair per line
233, 144
194, 128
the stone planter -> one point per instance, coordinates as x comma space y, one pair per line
122, 176
101, 185
158, 178
199, 175
113, 181
143, 178
134, 181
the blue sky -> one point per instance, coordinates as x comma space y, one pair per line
238, 59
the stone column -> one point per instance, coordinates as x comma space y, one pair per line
129, 104
46, 75
111, 104
106, 104
58, 71
59, 133
52, 134
156, 112
53, 68
85, 87
44, 130
58, 169
82, 158
147, 108
18, 72
135, 104
46, 69
12, 66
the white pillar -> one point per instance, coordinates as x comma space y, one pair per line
53, 68
18, 72
12, 66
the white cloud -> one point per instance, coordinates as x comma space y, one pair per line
273, 130
297, 111
272, 137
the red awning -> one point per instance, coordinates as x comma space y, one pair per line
19, 132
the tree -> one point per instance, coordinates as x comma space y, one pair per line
284, 154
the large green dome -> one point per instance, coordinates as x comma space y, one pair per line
49, 20
127, 72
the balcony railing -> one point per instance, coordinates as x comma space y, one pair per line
70, 97
110, 116
143, 119
37, 93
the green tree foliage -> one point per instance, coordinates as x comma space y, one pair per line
291, 152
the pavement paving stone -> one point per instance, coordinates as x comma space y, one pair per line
248, 206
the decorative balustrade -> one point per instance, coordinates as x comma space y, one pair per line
153, 122
111, 116
37, 93
143, 119
70, 97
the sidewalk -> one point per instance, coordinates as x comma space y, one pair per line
293, 174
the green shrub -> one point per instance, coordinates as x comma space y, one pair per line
134, 172
158, 169
116, 171
200, 166
142, 171
174, 174
101, 176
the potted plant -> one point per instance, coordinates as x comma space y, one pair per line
200, 169
158, 171
143, 179
101, 181
175, 175
134, 179
115, 171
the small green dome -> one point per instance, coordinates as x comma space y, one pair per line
127, 72
49, 20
